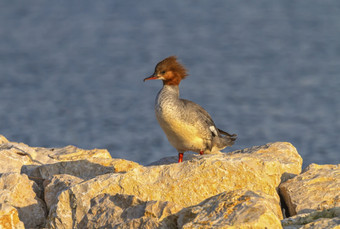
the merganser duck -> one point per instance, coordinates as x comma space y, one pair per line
186, 124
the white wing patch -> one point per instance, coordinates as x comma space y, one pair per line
213, 130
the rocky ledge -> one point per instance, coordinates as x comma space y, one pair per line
258, 187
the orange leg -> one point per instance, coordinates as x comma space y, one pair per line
180, 157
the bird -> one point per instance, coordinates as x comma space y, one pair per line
187, 126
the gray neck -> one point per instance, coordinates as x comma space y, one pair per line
168, 93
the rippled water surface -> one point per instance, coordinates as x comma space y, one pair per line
71, 72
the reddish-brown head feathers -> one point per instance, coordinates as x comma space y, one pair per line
170, 71
171, 64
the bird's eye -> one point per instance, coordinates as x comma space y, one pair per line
162, 72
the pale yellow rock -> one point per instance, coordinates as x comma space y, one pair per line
119, 165
20, 192
71, 153
126, 211
54, 186
323, 223
13, 156
187, 183
329, 218
9, 218
43, 163
317, 188
3, 139
83, 169
235, 209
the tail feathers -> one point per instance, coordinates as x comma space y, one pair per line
229, 139
227, 134
224, 140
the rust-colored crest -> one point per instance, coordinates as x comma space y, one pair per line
171, 64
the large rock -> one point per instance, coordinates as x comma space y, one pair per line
126, 211
120, 165
9, 217
69, 153
237, 209
317, 188
19, 157
3, 139
60, 176
54, 186
42, 163
188, 183
13, 156
84, 169
20, 192
329, 218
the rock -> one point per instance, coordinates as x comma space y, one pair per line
236, 209
9, 217
13, 156
3, 139
329, 218
188, 183
83, 169
126, 211
43, 163
54, 186
120, 165
71, 153
19, 157
60, 176
317, 188
20, 192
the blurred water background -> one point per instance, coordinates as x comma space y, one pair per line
71, 72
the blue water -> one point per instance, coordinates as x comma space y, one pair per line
71, 72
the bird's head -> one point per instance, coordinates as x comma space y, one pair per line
170, 71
